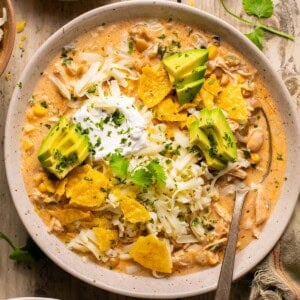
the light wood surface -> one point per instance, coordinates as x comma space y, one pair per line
44, 17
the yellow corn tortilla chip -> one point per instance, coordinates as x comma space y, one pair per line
154, 85
102, 222
60, 189
86, 187
168, 110
106, 238
69, 215
152, 253
212, 85
134, 212
207, 98
231, 100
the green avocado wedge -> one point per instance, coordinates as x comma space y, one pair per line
216, 128
184, 62
194, 75
64, 148
187, 92
199, 138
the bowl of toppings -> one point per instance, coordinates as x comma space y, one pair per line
132, 129
7, 32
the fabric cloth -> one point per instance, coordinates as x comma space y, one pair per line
278, 275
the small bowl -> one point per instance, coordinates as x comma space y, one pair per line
9, 28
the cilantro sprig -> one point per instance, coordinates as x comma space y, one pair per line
27, 254
143, 175
119, 165
260, 9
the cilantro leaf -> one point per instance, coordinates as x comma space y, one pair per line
256, 36
119, 165
27, 254
157, 171
141, 177
259, 8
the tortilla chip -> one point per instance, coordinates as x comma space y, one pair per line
154, 85
207, 98
231, 100
86, 187
134, 212
102, 222
69, 215
106, 238
212, 85
60, 189
152, 253
168, 110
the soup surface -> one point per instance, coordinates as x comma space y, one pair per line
137, 136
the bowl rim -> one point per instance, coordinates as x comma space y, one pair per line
25, 209
8, 49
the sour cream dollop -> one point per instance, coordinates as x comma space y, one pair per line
113, 124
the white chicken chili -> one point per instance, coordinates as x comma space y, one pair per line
135, 139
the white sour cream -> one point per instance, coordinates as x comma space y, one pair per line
113, 124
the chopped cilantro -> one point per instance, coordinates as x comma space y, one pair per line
92, 89
87, 178
193, 149
64, 160
64, 52
123, 141
73, 97
130, 45
100, 124
161, 51
246, 153
279, 156
168, 161
228, 140
98, 143
162, 36
176, 44
118, 117
44, 104
67, 61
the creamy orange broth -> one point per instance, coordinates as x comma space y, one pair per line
36, 128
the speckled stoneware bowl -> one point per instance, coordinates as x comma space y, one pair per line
180, 286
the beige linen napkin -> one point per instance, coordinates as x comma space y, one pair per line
278, 275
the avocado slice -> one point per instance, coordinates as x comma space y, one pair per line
183, 62
199, 138
189, 91
63, 149
55, 134
216, 128
194, 75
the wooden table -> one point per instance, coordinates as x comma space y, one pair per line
44, 17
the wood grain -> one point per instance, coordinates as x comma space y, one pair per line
43, 18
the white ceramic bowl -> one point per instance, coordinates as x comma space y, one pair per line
180, 286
